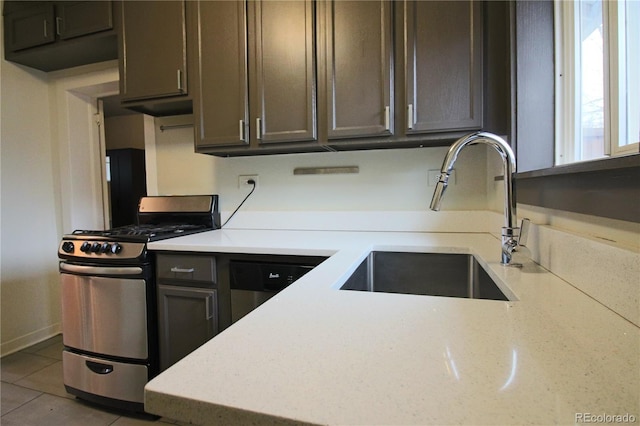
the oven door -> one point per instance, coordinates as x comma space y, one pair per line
104, 310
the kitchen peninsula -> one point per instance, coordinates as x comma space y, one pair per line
317, 355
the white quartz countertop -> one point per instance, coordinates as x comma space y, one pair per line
315, 354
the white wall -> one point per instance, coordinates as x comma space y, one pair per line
50, 184
388, 180
177, 169
29, 212
394, 179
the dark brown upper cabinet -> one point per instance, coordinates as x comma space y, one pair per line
49, 35
153, 57
79, 18
221, 83
255, 79
443, 66
356, 53
282, 77
29, 27
389, 74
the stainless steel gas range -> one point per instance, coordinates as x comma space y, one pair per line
109, 315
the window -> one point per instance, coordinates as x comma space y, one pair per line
597, 79
601, 188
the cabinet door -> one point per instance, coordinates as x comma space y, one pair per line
78, 18
359, 73
188, 317
154, 50
282, 74
443, 65
221, 98
29, 27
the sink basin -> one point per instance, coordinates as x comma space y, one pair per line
432, 274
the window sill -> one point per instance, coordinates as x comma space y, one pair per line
607, 188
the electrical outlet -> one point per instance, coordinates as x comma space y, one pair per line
243, 181
434, 175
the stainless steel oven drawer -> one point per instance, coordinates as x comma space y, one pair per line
106, 378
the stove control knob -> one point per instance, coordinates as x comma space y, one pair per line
68, 247
116, 248
95, 247
85, 247
105, 248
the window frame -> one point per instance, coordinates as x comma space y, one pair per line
608, 187
568, 81
614, 15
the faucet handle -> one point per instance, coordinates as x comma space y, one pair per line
524, 232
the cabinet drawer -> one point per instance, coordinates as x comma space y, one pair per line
187, 268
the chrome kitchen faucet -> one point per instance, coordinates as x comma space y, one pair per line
513, 238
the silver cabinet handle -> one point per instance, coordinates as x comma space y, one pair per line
387, 118
241, 130
180, 80
258, 128
209, 307
58, 24
45, 28
410, 116
182, 270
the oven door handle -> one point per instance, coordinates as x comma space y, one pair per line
100, 270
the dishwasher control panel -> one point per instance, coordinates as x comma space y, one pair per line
253, 282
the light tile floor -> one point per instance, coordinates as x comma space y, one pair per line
33, 393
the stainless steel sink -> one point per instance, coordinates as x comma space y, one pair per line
432, 274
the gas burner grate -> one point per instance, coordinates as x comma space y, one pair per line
154, 230
149, 230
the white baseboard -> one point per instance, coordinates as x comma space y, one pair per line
17, 344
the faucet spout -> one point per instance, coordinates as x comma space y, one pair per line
510, 231
441, 185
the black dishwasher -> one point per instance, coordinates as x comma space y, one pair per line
254, 282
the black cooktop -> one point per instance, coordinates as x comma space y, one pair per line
148, 232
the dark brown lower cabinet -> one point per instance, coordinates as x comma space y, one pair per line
188, 318
188, 313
